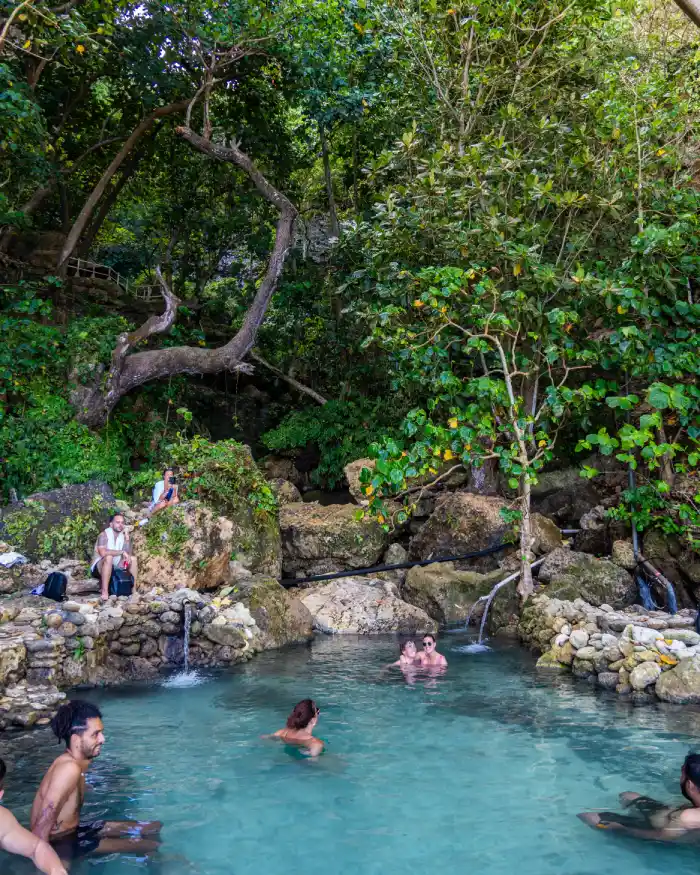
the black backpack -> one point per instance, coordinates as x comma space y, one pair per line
121, 582
55, 586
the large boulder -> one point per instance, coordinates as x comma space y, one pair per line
571, 575
676, 562
353, 471
67, 521
320, 540
363, 606
190, 546
463, 522
681, 685
281, 617
564, 495
444, 592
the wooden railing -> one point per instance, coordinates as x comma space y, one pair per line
79, 267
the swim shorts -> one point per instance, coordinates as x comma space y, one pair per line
80, 843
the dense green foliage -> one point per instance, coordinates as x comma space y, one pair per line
513, 185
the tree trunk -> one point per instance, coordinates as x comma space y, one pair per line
97, 192
93, 405
691, 9
332, 211
525, 584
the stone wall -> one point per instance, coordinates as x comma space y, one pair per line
46, 647
648, 655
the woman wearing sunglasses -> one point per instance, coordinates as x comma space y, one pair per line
428, 656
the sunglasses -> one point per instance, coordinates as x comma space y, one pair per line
428, 644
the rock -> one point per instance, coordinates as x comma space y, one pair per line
189, 546
352, 473
681, 685
279, 468
280, 617
564, 496
572, 575
315, 537
447, 594
579, 638
687, 636
12, 660
608, 680
34, 526
597, 533
623, 555
286, 492
588, 653
644, 675
395, 555
549, 661
363, 606
564, 653
465, 523
226, 635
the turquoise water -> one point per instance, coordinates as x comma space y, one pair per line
481, 770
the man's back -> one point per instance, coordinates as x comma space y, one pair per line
56, 808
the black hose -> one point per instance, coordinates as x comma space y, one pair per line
295, 581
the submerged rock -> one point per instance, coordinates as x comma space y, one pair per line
363, 606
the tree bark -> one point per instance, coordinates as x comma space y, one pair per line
525, 584
333, 212
97, 192
129, 371
691, 9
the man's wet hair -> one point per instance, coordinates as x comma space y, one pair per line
303, 713
3, 772
115, 515
692, 768
72, 718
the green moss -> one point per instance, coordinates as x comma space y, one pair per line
17, 525
76, 536
166, 533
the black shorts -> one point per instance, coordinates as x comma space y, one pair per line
80, 843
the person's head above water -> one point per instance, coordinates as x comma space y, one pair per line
79, 724
408, 648
690, 779
428, 642
304, 715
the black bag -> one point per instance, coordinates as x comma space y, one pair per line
55, 586
121, 582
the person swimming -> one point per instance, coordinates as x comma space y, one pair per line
407, 655
653, 820
300, 726
429, 657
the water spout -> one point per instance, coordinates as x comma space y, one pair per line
672, 601
645, 594
481, 599
185, 678
186, 640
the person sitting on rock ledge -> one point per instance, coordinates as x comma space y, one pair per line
300, 726
165, 492
15, 839
56, 810
654, 820
112, 546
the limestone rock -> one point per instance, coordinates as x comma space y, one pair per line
549, 661
579, 638
226, 635
448, 594
29, 525
352, 473
189, 546
688, 636
286, 492
608, 680
681, 685
12, 658
623, 555
571, 575
644, 675
318, 539
463, 522
363, 606
395, 555
280, 617
564, 495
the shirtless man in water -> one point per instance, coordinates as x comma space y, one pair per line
429, 657
15, 839
654, 820
300, 726
56, 810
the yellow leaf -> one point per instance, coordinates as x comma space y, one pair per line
27, 44
616, 134
452, 422
449, 455
359, 28
667, 660
436, 452
517, 270
467, 446
542, 444
22, 17
432, 470
660, 152
621, 310
80, 48
369, 489
380, 519
418, 303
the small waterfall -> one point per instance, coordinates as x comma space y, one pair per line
492, 595
671, 597
186, 640
481, 599
645, 594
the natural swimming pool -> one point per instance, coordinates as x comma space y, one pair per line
483, 769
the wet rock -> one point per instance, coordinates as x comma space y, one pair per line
280, 616
447, 594
572, 575
644, 675
363, 606
226, 635
608, 680
681, 685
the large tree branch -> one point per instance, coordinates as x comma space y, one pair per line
691, 9
300, 387
97, 192
129, 371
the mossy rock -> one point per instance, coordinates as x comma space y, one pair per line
447, 594
281, 618
58, 523
596, 581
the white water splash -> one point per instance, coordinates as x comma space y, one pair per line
184, 679
472, 648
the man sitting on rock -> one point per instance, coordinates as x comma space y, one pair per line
654, 820
165, 492
15, 839
59, 800
113, 547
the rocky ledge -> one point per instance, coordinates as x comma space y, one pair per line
648, 655
46, 647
